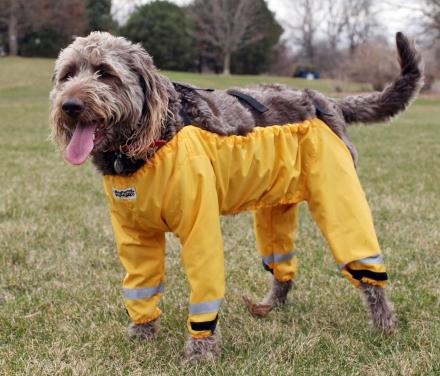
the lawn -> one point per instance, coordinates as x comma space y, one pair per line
61, 310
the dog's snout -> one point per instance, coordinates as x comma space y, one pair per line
73, 107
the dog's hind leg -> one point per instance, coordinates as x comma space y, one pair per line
339, 206
278, 292
276, 296
380, 308
275, 229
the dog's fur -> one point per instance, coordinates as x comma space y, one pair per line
134, 106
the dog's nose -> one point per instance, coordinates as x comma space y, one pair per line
73, 107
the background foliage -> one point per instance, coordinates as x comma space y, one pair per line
334, 37
258, 57
166, 33
99, 16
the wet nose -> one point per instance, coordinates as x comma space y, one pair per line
73, 107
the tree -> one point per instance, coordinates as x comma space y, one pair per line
304, 25
41, 27
430, 22
360, 21
225, 26
50, 26
373, 62
165, 32
257, 57
10, 17
427, 14
321, 30
99, 15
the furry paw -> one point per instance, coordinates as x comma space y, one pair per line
381, 309
276, 296
384, 319
257, 309
202, 349
387, 322
143, 331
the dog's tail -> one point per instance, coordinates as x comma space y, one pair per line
381, 106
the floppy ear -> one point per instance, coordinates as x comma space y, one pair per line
155, 105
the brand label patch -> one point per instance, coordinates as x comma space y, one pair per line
125, 194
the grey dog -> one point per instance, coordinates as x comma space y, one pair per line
111, 90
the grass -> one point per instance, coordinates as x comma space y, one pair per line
61, 311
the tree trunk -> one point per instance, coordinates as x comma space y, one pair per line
12, 31
227, 63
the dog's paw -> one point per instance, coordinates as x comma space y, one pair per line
385, 321
143, 331
202, 349
380, 308
257, 309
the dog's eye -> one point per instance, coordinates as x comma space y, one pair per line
104, 75
66, 76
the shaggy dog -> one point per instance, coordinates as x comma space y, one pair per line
111, 103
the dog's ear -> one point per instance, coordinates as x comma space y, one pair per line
155, 104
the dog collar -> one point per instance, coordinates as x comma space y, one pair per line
122, 162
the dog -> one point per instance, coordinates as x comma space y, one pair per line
174, 157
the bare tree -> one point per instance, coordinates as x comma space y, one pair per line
225, 26
323, 29
425, 16
336, 22
430, 10
283, 65
304, 25
372, 62
431, 28
360, 21
10, 15
23, 17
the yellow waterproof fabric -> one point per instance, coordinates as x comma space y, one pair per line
199, 175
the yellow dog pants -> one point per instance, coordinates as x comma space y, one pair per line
198, 176
339, 207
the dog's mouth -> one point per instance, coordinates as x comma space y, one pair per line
85, 138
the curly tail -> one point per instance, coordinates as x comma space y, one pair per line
395, 98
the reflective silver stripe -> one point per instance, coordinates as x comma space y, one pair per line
142, 293
372, 260
206, 307
279, 257
368, 260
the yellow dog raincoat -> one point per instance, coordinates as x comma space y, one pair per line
199, 175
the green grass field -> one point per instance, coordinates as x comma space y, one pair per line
61, 310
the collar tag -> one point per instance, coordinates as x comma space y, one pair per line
118, 164
124, 194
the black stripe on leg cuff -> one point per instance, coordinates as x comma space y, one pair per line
359, 274
206, 325
267, 268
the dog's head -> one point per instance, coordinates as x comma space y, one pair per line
107, 95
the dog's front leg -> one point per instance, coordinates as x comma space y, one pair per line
197, 225
144, 331
380, 308
197, 349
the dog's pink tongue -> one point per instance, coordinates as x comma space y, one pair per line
81, 144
